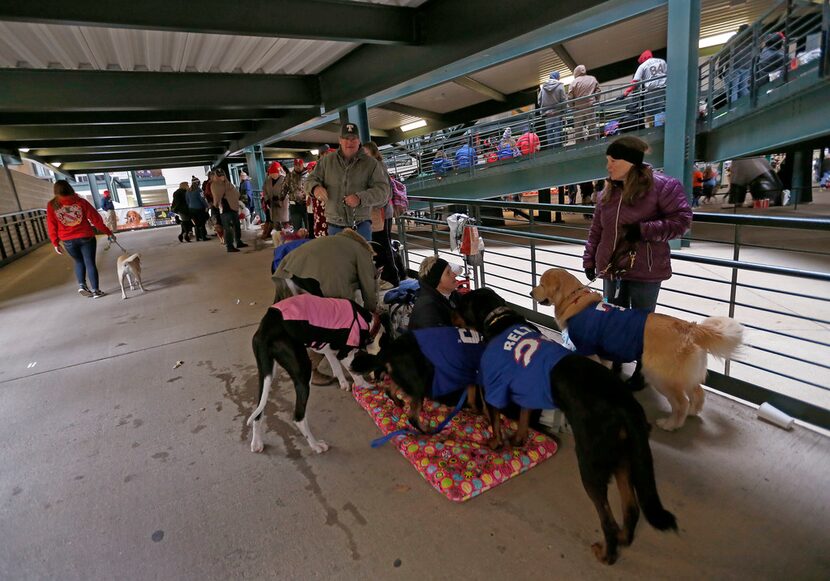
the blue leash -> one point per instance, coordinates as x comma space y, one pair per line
378, 442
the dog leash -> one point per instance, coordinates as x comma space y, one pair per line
378, 442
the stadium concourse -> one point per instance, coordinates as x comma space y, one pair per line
127, 466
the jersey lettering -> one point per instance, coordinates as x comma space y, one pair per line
515, 336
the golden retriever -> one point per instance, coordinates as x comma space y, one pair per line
674, 351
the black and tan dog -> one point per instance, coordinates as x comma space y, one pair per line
609, 426
334, 327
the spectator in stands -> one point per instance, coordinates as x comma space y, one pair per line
735, 63
636, 215
226, 197
295, 194
710, 182
465, 156
441, 164
528, 142
273, 190
650, 81
697, 186
772, 58
70, 219
351, 183
582, 97
507, 145
382, 225
197, 207
437, 295
179, 206
552, 102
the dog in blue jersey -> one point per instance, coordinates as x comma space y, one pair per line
436, 363
671, 352
520, 365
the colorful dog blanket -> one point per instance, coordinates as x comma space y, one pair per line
457, 462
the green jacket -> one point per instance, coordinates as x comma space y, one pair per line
363, 176
341, 264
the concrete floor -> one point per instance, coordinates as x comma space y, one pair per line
115, 465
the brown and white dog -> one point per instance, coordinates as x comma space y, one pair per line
129, 267
674, 351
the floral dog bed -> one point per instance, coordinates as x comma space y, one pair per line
457, 462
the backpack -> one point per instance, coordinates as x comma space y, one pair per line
400, 201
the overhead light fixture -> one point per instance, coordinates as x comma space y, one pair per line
716, 40
314, 152
414, 125
55, 164
23, 149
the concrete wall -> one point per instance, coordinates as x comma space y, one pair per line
33, 192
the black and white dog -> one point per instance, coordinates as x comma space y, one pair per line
610, 430
332, 327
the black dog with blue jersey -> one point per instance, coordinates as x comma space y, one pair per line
520, 365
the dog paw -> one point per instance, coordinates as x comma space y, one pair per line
345, 386
517, 441
495, 443
667, 424
257, 446
602, 555
319, 446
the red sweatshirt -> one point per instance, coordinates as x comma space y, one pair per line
73, 219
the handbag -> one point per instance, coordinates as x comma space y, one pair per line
470, 241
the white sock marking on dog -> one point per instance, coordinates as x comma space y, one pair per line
336, 368
256, 439
359, 380
318, 446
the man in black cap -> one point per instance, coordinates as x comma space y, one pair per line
350, 183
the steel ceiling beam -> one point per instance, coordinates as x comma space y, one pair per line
564, 56
119, 117
34, 133
480, 88
126, 156
147, 163
309, 19
115, 149
31, 90
125, 141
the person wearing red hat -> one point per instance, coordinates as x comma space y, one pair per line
273, 190
650, 80
110, 219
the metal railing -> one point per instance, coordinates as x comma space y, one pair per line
732, 270
789, 42
521, 137
20, 233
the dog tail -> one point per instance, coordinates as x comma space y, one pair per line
132, 257
720, 336
642, 470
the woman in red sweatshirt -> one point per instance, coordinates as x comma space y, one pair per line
70, 219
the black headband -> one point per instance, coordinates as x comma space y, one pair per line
619, 151
434, 274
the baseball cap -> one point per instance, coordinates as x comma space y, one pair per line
349, 130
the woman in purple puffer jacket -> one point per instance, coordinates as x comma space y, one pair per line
638, 212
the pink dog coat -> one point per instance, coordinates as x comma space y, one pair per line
324, 318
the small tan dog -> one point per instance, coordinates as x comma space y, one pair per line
673, 350
129, 267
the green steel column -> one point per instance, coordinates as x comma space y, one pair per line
359, 115
93, 189
681, 92
134, 180
802, 182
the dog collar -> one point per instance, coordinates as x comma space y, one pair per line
495, 315
579, 292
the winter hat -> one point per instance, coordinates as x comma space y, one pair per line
106, 193
645, 56
298, 163
193, 179
555, 75
273, 168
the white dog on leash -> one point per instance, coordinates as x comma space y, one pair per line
129, 267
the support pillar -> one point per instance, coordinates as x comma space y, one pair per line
802, 183
544, 198
136, 190
359, 115
93, 189
681, 93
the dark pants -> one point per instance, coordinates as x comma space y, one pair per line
187, 224
632, 294
297, 215
230, 223
82, 251
199, 218
382, 242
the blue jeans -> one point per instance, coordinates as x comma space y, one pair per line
553, 126
363, 228
738, 84
82, 251
632, 295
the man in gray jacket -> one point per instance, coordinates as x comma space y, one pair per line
551, 102
582, 95
350, 183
